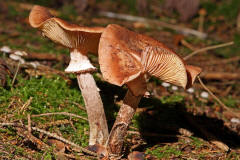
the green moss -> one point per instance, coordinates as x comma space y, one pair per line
68, 11
230, 102
48, 95
228, 9
164, 152
172, 100
12, 12
197, 142
233, 155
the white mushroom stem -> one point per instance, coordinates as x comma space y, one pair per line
120, 127
81, 65
96, 116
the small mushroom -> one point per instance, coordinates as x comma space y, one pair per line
202, 13
80, 41
125, 57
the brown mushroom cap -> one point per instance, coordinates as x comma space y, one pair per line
192, 73
69, 35
124, 55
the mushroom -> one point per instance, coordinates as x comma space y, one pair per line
80, 40
126, 57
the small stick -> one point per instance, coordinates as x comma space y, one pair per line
208, 48
220, 75
26, 104
71, 123
64, 140
47, 56
40, 67
15, 75
79, 106
58, 122
61, 113
215, 97
134, 128
188, 45
186, 31
52, 135
225, 61
40, 145
29, 124
41, 56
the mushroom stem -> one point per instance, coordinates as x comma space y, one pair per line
123, 120
81, 66
96, 116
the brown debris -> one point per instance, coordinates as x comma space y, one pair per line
47, 57
80, 5
238, 22
5, 70
142, 7
209, 136
40, 144
135, 155
59, 146
186, 8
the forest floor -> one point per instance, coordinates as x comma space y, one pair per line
171, 124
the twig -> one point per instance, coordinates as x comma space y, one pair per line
79, 106
41, 56
71, 123
40, 145
188, 45
64, 140
185, 31
26, 104
47, 56
134, 128
224, 61
52, 135
215, 97
58, 122
15, 75
41, 68
29, 124
208, 48
61, 113
220, 75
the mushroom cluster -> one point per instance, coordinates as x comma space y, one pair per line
125, 57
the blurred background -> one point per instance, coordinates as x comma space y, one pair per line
185, 124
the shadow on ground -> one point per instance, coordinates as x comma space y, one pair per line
167, 119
